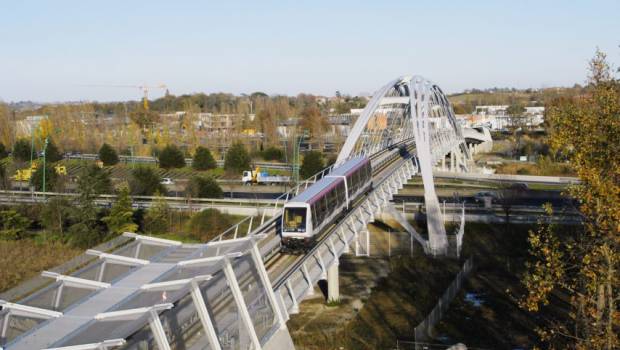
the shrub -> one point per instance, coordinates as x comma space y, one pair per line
273, 153
204, 187
144, 182
22, 150
207, 224
203, 160
108, 155
237, 158
13, 225
312, 164
171, 157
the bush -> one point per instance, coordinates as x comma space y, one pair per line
207, 224
22, 150
171, 157
204, 187
52, 154
273, 153
13, 225
312, 164
144, 182
108, 155
237, 158
3, 152
203, 160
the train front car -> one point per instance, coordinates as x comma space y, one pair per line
307, 215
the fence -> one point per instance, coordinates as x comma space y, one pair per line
423, 330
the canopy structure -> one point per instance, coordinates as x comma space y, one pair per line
149, 292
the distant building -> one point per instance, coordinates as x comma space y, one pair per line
496, 117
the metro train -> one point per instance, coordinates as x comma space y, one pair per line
311, 211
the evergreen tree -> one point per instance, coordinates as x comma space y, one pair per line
312, 164
144, 182
97, 178
203, 160
22, 150
52, 154
3, 152
52, 179
204, 187
108, 155
13, 225
171, 157
121, 215
157, 218
237, 158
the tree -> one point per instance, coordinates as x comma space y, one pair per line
237, 158
515, 110
52, 154
3, 152
144, 182
55, 215
273, 153
314, 122
22, 150
586, 131
268, 125
204, 187
121, 215
52, 180
157, 218
207, 224
171, 157
203, 160
312, 164
96, 178
108, 155
13, 225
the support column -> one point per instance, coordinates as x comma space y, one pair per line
333, 283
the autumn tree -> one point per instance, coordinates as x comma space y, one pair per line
314, 122
586, 130
7, 130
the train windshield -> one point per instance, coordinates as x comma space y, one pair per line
295, 219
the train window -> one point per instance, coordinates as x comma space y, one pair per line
315, 219
295, 219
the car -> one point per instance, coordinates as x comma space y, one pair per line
167, 181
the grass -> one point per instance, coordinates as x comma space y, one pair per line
24, 259
548, 169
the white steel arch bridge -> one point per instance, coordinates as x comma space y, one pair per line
238, 290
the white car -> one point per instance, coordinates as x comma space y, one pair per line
167, 181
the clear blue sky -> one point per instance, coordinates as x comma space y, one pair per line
50, 48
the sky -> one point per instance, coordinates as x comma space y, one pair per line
58, 50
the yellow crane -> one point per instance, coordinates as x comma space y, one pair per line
145, 90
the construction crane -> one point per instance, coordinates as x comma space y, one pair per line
145, 89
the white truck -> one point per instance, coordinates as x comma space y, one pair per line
251, 177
